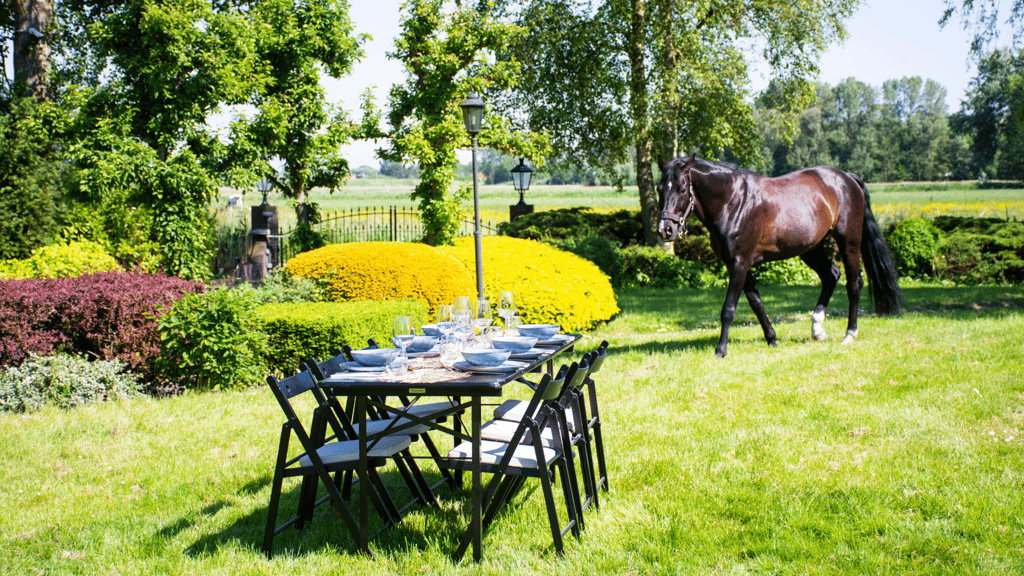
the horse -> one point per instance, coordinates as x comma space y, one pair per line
752, 219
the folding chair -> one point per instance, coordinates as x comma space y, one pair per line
501, 429
377, 426
319, 458
512, 462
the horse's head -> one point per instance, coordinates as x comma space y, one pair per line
676, 196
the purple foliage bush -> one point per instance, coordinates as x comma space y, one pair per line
103, 316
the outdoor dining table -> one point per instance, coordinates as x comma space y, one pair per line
466, 389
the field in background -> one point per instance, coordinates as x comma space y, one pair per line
891, 202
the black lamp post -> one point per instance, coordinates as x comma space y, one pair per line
521, 175
473, 115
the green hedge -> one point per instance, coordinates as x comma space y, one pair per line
298, 331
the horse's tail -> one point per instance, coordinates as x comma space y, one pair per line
883, 280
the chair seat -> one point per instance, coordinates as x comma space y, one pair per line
377, 426
514, 410
426, 410
503, 430
492, 452
348, 450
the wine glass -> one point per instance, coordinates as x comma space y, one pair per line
461, 308
482, 314
402, 333
445, 319
506, 306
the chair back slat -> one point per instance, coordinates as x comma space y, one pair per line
294, 385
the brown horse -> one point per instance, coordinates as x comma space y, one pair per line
752, 219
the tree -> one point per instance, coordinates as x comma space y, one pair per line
993, 113
29, 34
983, 18
446, 57
296, 40
915, 126
139, 136
663, 76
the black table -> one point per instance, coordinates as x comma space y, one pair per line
474, 387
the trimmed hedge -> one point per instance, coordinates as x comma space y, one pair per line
981, 250
298, 331
385, 271
622, 226
551, 286
106, 316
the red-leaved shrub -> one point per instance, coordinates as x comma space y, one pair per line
105, 316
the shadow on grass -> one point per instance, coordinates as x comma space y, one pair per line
441, 526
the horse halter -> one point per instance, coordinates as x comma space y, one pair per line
679, 221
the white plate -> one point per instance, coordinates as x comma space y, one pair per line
357, 367
432, 353
508, 366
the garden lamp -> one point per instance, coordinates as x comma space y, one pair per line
472, 115
521, 179
264, 187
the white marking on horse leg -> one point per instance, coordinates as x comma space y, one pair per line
818, 325
850, 335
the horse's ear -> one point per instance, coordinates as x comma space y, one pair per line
661, 163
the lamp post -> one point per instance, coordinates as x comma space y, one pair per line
472, 116
264, 187
521, 175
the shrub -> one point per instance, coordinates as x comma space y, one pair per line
282, 286
61, 261
645, 266
551, 286
314, 329
212, 341
64, 381
981, 250
914, 243
104, 316
599, 250
623, 226
385, 271
790, 272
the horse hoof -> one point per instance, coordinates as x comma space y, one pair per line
820, 336
818, 326
850, 335
720, 353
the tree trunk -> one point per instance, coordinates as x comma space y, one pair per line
639, 103
31, 54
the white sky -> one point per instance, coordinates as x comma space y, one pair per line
888, 39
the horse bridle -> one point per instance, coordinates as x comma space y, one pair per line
667, 215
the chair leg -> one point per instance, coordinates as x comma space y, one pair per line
275, 492
549, 501
599, 444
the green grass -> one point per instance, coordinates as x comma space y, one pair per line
901, 453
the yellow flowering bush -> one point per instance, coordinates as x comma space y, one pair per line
385, 271
551, 286
61, 261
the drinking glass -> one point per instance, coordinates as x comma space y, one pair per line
512, 326
445, 319
402, 333
506, 306
482, 314
461, 307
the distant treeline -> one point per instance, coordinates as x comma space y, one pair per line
903, 131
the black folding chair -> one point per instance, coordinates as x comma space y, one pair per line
319, 458
526, 456
589, 402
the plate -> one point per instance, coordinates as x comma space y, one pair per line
556, 340
357, 367
432, 353
508, 366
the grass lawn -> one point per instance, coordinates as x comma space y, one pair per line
902, 453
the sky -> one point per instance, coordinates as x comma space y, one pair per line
888, 39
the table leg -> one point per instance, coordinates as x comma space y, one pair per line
364, 484
477, 523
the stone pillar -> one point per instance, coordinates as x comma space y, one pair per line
265, 250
